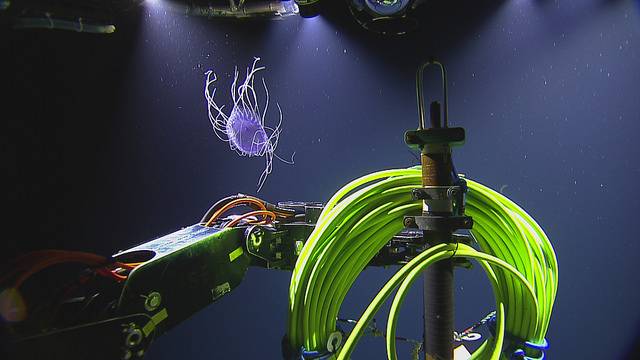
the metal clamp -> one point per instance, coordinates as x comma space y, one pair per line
266, 244
441, 199
438, 223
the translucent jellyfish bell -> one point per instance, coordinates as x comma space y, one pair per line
244, 128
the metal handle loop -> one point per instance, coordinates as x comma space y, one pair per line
420, 91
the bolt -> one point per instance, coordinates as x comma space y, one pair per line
153, 300
409, 222
299, 245
258, 231
134, 337
256, 237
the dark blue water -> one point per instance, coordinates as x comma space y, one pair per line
107, 145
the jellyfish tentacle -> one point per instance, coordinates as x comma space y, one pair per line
278, 129
250, 77
278, 126
247, 97
233, 87
219, 120
248, 84
267, 170
244, 98
290, 162
266, 103
248, 94
275, 132
279, 116
254, 142
261, 148
237, 136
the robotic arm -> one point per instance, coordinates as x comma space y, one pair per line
115, 310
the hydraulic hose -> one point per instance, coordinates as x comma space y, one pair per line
366, 213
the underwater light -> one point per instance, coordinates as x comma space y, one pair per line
308, 8
385, 16
386, 7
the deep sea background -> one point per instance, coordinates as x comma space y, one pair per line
106, 144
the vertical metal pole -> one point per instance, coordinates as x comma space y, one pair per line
437, 171
438, 278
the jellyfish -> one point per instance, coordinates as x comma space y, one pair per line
244, 128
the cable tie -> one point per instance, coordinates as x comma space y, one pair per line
455, 251
313, 354
334, 342
521, 346
538, 349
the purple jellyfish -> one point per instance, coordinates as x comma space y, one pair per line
244, 128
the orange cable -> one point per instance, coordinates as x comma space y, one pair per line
234, 203
264, 213
47, 258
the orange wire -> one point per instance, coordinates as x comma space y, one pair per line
124, 266
264, 213
131, 265
27, 265
234, 203
118, 276
28, 260
283, 214
112, 274
38, 261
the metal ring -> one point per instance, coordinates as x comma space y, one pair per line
471, 337
334, 342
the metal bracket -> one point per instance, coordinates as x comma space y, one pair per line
409, 244
442, 199
437, 193
267, 244
438, 223
417, 139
